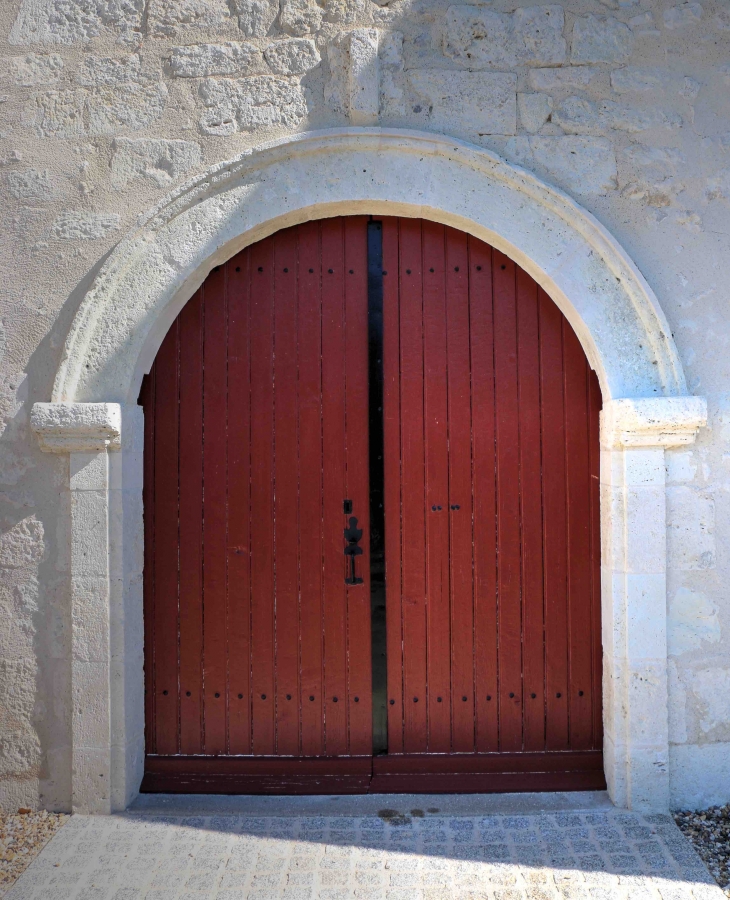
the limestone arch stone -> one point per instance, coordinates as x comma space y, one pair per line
156, 268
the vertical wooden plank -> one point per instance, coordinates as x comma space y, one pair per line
286, 524
578, 489
147, 398
359, 694
191, 526
508, 505
413, 498
595, 402
310, 489
435, 417
554, 523
215, 437
392, 450
262, 497
484, 499
531, 512
460, 490
166, 624
239, 503
333, 413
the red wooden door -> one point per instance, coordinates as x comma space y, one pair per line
314, 377
491, 525
257, 654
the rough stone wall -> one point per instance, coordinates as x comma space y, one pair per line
105, 104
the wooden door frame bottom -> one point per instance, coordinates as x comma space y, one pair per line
397, 774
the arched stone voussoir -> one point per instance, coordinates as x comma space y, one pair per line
155, 269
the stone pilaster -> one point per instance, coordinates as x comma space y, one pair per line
634, 435
87, 432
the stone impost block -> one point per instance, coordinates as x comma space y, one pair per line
77, 427
652, 421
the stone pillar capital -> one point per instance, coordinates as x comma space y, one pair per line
77, 427
652, 421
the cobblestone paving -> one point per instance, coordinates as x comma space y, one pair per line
576, 856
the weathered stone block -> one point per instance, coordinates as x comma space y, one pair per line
250, 103
299, 17
598, 39
579, 116
682, 16
294, 56
718, 187
83, 226
566, 78
639, 79
231, 58
23, 544
85, 112
20, 749
31, 185
255, 17
59, 113
337, 86
33, 69
171, 17
71, 21
115, 93
364, 80
582, 165
473, 102
534, 110
350, 12
353, 87
160, 160
690, 529
482, 38
649, 175
134, 107
390, 53
643, 24
692, 620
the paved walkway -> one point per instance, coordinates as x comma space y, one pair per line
408, 853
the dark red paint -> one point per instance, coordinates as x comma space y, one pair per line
256, 430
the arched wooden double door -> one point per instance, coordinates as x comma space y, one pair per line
371, 524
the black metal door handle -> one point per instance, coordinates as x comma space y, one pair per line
352, 536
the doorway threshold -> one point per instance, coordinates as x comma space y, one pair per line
385, 805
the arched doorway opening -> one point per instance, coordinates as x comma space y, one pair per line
372, 549
94, 421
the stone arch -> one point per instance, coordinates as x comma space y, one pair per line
153, 271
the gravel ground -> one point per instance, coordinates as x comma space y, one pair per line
709, 832
22, 836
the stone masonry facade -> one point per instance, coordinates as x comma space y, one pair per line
106, 105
